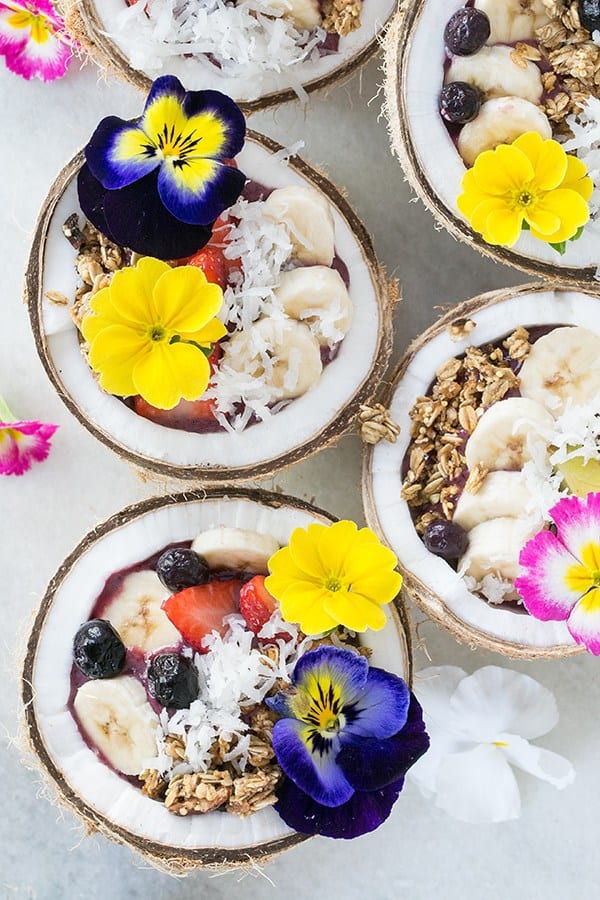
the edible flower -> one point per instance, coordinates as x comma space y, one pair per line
332, 575
347, 736
21, 443
147, 331
532, 184
156, 184
562, 570
480, 725
33, 39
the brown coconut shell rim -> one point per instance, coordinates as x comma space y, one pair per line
397, 46
430, 602
386, 295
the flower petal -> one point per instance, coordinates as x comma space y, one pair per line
198, 190
334, 544
303, 603
91, 199
547, 157
310, 762
14, 29
547, 592
372, 763
224, 124
478, 786
347, 672
571, 209
38, 46
119, 153
434, 687
354, 610
304, 552
185, 300
114, 353
584, 622
169, 373
364, 811
22, 443
505, 169
503, 227
209, 334
102, 314
537, 761
576, 177
382, 707
577, 521
380, 587
131, 291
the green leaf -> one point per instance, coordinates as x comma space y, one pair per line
577, 234
560, 247
525, 226
176, 339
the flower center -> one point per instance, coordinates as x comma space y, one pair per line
175, 145
333, 584
524, 199
157, 333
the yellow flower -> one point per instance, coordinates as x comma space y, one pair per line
531, 180
142, 327
333, 575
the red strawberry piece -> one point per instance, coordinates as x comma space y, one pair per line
198, 611
213, 264
186, 413
256, 603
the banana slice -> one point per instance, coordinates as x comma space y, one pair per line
309, 222
508, 434
500, 121
317, 296
501, 494
561, 366
494, 547
136, 614
493, 71
282, 352
119, 721
236, 548
304, 13
513, 20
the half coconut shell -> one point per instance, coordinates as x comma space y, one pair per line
414, 73
307, 425
102, 800
434, 585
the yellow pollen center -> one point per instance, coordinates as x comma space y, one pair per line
524, 198
333, 584
157, 333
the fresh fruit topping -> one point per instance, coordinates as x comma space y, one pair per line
307, 215
494, 547
563, 367
256, 603
509, 434
500, 494
185, 415
135, 611
173, 680
212, 262
589, 14
467, 31
98, 651
459, 102
445, 539
198, 611
495, 73
317, 296
179, 568
236, 548
501, 120
119, 721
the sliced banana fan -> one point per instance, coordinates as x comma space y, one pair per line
307, 425
435, 586
96, 794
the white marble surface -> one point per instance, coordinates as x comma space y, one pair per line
419, 853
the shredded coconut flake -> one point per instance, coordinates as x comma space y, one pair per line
585, 142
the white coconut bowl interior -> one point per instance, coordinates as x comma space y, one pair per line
414, 66
94, 791
430, 581
306, 425
100, 19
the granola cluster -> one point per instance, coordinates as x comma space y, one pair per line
341, 16
463, 389
97, 261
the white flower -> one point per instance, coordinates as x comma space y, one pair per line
479, 726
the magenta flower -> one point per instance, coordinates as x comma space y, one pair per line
21, 443
562, 570
33, 39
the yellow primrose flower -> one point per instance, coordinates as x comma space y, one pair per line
143, 329
333, 575
531, 180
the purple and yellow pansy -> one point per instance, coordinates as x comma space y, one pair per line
561, 581
33, 39
347, 736
156, 184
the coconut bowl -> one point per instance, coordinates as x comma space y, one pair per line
306, 425
436, 586
94, 26
414, 74
103, 801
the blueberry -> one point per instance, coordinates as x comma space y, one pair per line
179, 568
467, 31
589, 14
98, 651
445, 539
459, 102
172, 680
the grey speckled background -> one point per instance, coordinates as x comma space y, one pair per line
551, 852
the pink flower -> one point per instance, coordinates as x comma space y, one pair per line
21, 443
562, 570
33, 39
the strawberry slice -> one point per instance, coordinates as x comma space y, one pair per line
256, 603
197, 611
213, 264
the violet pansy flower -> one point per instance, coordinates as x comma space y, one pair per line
33, 39
347, 736
21, 443
156, 184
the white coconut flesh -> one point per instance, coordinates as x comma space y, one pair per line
450, 593
198, 73
292, 427
438, 163
100, 788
